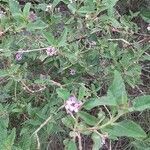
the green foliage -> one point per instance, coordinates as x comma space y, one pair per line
63, 93
97, 139
141, 103
89, 119
6, 138
126, 128
71, 69
117, 89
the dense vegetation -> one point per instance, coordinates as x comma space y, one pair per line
74, 74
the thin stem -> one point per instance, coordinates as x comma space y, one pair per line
110, 145
45, 122
80, 141
38, 141
42, 125
123, 40
110, 116
15, 92
31, 50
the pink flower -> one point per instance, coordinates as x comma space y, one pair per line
51, 51
32, 16
72, 105
18, 56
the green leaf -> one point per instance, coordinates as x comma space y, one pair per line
97, 139
63, 38
4, 120
110, 6
72, 7
26, 9
14, 7
141, 103
8, 143
63, 93
86, 9
82, 92
105, 100
14, 68
68, 122
142, 145
126, 128
37, 25
89, 119
42, 6
3, 73
49, 36
71, 145
145, 14
56, 2
25, 141
82, 126
117, 89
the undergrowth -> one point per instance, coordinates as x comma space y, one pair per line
74, 74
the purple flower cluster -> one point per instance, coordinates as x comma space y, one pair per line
32, 16
51, 51
18, 56
72, 105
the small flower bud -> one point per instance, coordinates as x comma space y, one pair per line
18, 56
32, 16
51, 51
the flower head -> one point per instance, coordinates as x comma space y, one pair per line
18, 56
32, 16
72, 104
72, 72
51, 51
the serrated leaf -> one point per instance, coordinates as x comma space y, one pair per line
89, 119
110, 4
9, 141
42, 6
49, 36
63, 93
26, 9
25, 141
3, 73
126, 128
141, 103
14, 7
68, 122
14, 68
72, 7
105, 100
37, 25
82, 92
56, 2
86, 9
117, 89
63, 38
